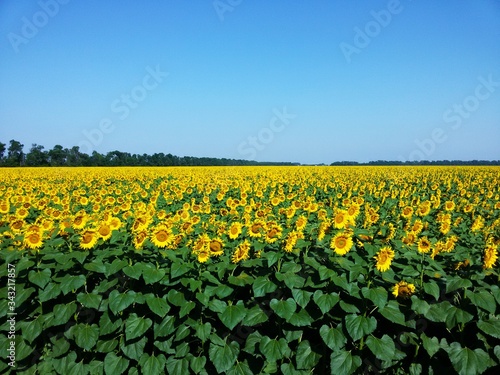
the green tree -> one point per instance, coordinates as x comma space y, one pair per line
58, 155
15, 154
36, 156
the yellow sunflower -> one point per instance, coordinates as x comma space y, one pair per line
490, 256
88, 239
424, 245
341, 243
33, 240
139, 239
216, 247
235, 230
104, 231
241, 252
301, 222
384, 258
162, 236
403, 290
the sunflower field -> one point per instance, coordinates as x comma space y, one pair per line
250, 270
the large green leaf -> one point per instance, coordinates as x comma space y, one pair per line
232, 315
490, 327
433, 289
262, 286
166, 327
178, 270
136, 326
377, 295
223, 357
31, 329
300, 319
342, 362
151, 364
392, 312
467, 361
90, 300
283, 308
107, 326
419, 306
302, 297
51, 291
333, 337
457, 283
203, 331
70, 283
273, 349
152, 275
186, 308
305, 357
255, 316
383, 348
197, 364
114, 365
120, 301
134, 349
240, 368
63, 313
359, 326
86, 335
431, 345
177, 366
325, 301
115, 266
40, 278
134, 271
157, 305
482, 299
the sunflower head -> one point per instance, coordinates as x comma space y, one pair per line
403, 290
384, 258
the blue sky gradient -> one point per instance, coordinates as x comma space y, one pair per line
301, 81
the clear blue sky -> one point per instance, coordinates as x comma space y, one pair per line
304, 81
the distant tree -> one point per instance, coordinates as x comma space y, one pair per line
2, 151
36, 156
58, 155
74, 157
15, 154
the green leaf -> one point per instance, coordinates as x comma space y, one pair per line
348, 308
240, 368
107, 326
186, 308
383, 348
431, 345
218, 306
157, 305
176, 298
457, 283
151, 364
177, 366
120, 301
252, 339
22, 295
305, 357
51, 291
273, 349
152, 275
197, 364
106, 346
136, 326
232, 315
377, 295
86, 335
359, 326
135, 349
178, 270
90, 300
467, 361
432, 289
343, 362
325, 301
182, 332
240, 280
166, 327
333, 337
302, 297
255, 316
490, 327
63, 313
419, 306
32, 329
114, 364
392, 312
40, 278
262, 286
95, 266
438, 312
223, 357
70, 283
203, 331
300, 319
283, 308
482, 299
134, 271
116, 266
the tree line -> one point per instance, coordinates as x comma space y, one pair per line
13, 155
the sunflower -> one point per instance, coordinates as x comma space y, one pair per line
341, 219
88, 239
203, 255
256, 228
341, 243
478, 224
216, 247
424, 245
235, 230
241, 252
79, 220
403, 290
273, 233
104, 231
291, 240
4, 207
384, 258
417, 226
139, 239
33, 240
449, 205
407, 212
162, 236
490, 256
301, 222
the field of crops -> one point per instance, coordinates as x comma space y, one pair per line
248, 270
